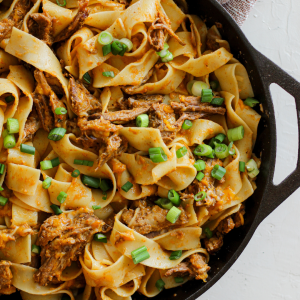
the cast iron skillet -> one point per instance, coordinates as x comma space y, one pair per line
267, 196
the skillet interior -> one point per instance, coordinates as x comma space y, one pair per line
235, 241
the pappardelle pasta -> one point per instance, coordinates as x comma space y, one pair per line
126, 147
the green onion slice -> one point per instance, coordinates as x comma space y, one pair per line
27, 149
189, 86
231, 150
187, 124
60, 111
105, 38
165, 203
217, 101
203, 150
91, 181
83, 162
127, 186
46, 165
56, 209
55, 162
208, 232
2, 168
99, 237
242, 166
46, 183
116, 47
3, 201
235, 134
142, 120
75, 173
173, 196
12, 125
35, 249
57, 134
157, 155
200, 176
175, 255
104, 185
181, 152
251, 102
214, 85
212, 155
87, 78
221, 151
95, 207
106, 49
200, 165
62, 196
140, 254
163, 53
109, 74
218, 172
252, 168
200, 196
197, 88
178, 279
104, 196
160, 284
128, 43
206, 95
9, 141
61, 4
168, 57
173, 214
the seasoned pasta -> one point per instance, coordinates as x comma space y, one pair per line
127, 131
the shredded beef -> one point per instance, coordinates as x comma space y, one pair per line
214, 244
226, 225
6, 277
63, 238
31, 126
214, 38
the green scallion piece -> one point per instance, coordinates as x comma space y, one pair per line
173, 196
108, 74
181, 152
46, 165
200, 165
198, 87
208, 232
217, 101
75, 173
83, 162
124, 50
35, 249
200, 196
99, 237
9, 99
27, 149
106, 49
218, 172
163, 53
57, 134
1, 189
87, 78
140, 255
60, 111
105, 38
142, 120
127, 186
56, 209
95, 207
231, 150
206, 95
168, 57
251, 102
242, 166
158, 201
157, 155
104, 196
5, 133
160, 284
178, 279
189, 86
221, 151
55, 162
46, 183
252, 168
187, 124
91, 181
3, 200
9, 141
235, 134
116, 47
2, 168
64, 3
214, 85
62, 196
104, 185
12, 125
200, 176
128, 44
173, 214
212, 155
166, 203
175, 255
203, 150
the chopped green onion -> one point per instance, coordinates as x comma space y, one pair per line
104, 185
56, 209
208, 232
175, 255
127, 186
55, 162
214, 85
231, 149
140, 254
212, 155
128, 43
109, 74
105, 38
9, 141
83, 162
166, 203
5, 133
63, 4
173, 214
163, 53
1, 189
158, 202
60, 111
61, 198
235, 134
200, 176
2, 168
160, 284
46, 165
242, 166
197, 88
200, 196
95, 207
218, 172
9, 99
87, 78
203, 150
168, 57
106, 49
252, 168
57, 134
142, 120
75, 173
206, 95
173, 196
91, 181
189, 86
221, 151
3, 200
200, 165
181, 152
12, 125
178, 279
99, 237
219, 138
36, 249
116, 47
187, 124
27, 149
157, 155
217, 101
251, 102
46, 183
123, 50
253, 173
104, 196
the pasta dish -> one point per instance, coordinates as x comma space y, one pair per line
125, 149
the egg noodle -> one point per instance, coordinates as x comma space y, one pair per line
105, 189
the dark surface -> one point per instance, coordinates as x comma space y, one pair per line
267, 197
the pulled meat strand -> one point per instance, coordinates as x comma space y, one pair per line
63, 239
6, 277
32, 125
201, 107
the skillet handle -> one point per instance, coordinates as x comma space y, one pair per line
276, 194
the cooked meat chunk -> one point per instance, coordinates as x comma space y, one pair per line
194, 266
40, 25
15, 19
214, 40
81, 99
214, 244
186, 197
72, 127
159, 29
63, 238
144, 100
208, 185
5, 211
238, 217
146, 218
77, 22
31, 126
226, 225
11, 234
6, 277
